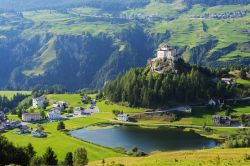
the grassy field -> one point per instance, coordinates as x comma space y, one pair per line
10, 94
73, 100
242, 110
62, 143
13, 117
209, 157
243, 82
105, 106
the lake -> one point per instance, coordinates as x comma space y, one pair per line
146, 139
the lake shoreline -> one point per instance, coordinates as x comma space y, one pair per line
102, 126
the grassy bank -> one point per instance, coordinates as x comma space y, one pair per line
183, 158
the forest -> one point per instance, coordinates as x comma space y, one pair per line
141, 87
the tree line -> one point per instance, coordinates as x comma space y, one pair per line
9, 154
140, 87
7, 104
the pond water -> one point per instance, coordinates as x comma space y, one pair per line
146, 139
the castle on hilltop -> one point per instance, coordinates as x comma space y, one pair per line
165, 59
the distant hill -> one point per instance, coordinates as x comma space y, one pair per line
84, 43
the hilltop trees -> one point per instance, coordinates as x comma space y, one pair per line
139, 87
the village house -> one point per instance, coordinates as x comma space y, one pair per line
221, 120
12, 124
38, 133
54, 115
122, 117
78, 111
211, 102
188, 109
38, 102
29, 117
23, 130
63, 104
228, 81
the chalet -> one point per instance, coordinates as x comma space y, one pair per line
122, 117
228, 81
57, 109
38, 102
54, 115
211, 102
23, 130
38, 133
55, 105
9, 125
221, 120
188, 109
78, 111
63, 104
29, 117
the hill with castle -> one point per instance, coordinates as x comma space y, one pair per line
167, 60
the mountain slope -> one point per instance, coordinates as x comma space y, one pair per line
84, 43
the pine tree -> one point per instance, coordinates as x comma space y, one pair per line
60, 125
69, 159
50, 158
80, 157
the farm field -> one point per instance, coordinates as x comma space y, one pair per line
62, 143
74, 100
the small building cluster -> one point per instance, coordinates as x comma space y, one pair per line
23, 129
228, 15
122, 117
228, 81
79, 111
38, 133
221, 120
9, 125
57, 108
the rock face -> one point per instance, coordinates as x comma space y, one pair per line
165, 61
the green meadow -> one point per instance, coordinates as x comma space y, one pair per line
106, 106
61, 142
10, 94
73, 100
